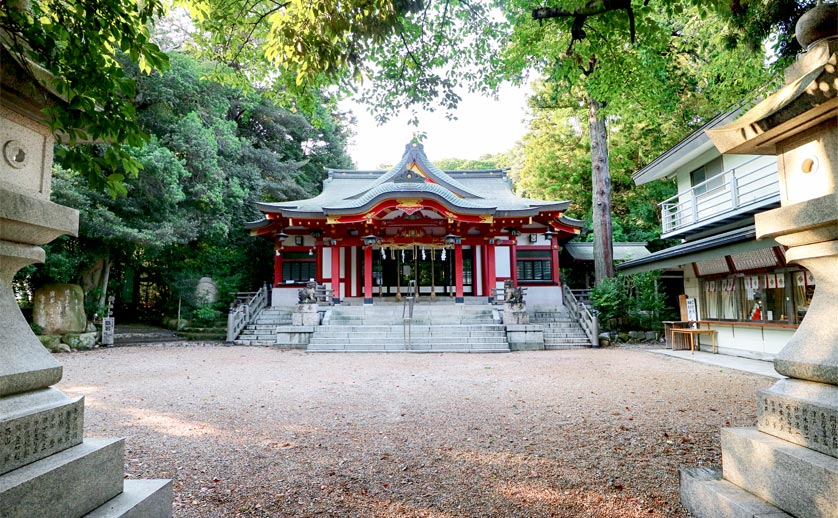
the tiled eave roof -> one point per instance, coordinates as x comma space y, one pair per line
469, 192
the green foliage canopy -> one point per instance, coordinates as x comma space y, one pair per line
78, 44
213, 151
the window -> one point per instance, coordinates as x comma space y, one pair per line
704, 173
778, 296
298, 267
535, 265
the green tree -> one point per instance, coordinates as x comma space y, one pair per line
73, 47
213, 151
617, 56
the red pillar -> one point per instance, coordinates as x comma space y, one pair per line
490, 271
513, 261
555, 262
458, 272
368, 275
277, 268
318, 264
335, 274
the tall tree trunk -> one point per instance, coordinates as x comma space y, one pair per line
601, 183
103, 286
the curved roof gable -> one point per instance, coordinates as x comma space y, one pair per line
414, 167
348, 192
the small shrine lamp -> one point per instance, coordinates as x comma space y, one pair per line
280, 237
370, 240
452, 239
549, 235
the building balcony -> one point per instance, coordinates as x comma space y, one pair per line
744, 190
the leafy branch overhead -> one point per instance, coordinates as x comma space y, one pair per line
77, 43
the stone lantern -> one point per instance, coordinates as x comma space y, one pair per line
788, 465
47, 468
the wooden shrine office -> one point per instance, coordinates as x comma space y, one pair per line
456, 233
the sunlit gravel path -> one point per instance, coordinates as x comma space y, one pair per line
263, 432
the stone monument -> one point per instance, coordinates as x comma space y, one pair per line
307, 311
47, 468
788, 465
514, 306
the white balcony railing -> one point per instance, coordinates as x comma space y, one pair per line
747, 186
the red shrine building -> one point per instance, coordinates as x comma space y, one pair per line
455, 234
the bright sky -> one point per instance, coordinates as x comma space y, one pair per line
483, 126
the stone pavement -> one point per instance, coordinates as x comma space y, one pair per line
761, 367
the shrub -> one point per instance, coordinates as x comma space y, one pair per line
206, 315
609, 298
630, 302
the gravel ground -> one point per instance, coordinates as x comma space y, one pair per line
263, 432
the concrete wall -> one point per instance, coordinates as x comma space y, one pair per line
759, 342
544, 296
284, 296
502, 262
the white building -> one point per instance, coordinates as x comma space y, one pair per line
743, 287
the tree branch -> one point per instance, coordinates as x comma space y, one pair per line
580, 14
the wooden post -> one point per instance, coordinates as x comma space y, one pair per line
682, 306
398, 275
491, 281
458, 273
277, 268
513, 261
433, 277
335, 274
368, 275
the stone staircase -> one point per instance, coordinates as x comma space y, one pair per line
561, 331
263, 330
434, 328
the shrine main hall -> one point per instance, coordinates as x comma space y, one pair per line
451, 234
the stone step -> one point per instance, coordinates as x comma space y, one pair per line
415, 322
414, 339
414, 325
399, 337
245, 336
380, 348
255, 342
263, 328
139, 499
556, 325
70, 483
399, 330
398, 343
706, 494
564, 347
800, 481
